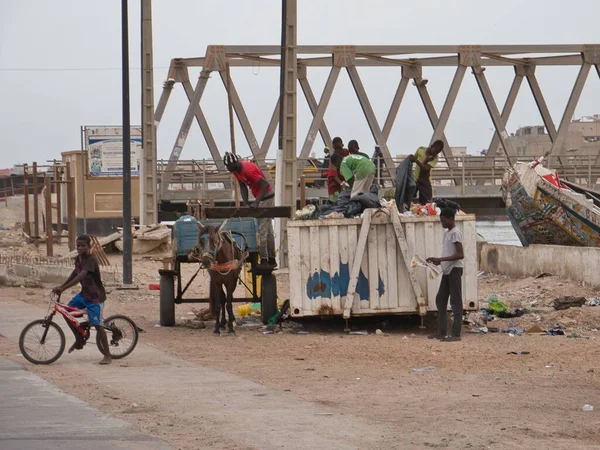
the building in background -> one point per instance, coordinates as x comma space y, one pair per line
583, 138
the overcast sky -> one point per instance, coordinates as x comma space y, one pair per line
47, 48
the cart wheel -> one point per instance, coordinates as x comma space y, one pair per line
167, 298
268, 298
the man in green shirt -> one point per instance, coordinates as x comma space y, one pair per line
425, 159
358, 170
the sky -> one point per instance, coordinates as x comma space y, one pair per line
60, 67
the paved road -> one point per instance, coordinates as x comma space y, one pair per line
35, 414
219, 407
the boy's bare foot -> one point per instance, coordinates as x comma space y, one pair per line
106, 360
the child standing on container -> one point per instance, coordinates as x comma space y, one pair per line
451, 284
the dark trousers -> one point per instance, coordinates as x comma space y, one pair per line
451, 286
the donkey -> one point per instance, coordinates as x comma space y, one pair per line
223, 258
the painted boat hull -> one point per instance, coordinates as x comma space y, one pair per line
542, 212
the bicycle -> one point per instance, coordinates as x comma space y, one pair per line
43, 341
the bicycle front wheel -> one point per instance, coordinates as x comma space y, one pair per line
122, 334
42, 342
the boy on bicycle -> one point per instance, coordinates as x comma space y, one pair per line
92, 295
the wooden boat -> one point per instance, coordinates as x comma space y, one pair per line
544, 209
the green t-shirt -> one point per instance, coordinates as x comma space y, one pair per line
421, 154
357, 166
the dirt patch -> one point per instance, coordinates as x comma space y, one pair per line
520, 400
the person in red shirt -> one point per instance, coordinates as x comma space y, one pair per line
250, 176
335, 181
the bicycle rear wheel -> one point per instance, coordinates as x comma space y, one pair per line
122, 334
42, 342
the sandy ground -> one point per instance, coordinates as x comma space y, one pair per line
477, 397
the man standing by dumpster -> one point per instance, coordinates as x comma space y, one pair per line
250, 175
451, 284
358, 170
425, 160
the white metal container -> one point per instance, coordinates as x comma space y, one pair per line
322, 253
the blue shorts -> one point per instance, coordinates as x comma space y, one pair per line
94, 310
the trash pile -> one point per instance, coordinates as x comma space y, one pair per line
343, 208
346, 207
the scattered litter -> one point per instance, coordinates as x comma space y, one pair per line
299, 359
479, 330
310, 369
134, 405
517, 353
302, 332
323, 414
423, 369
535, 317
594, 301
557, 330
567, 302
535, 329
268, 332
588, 407
480, 273
493, 330
549, 366
359, 333
513, 330
358, 379
543, 275
433, 271
574, 335
378, 332
154, 287
157, 325
260, 395
305, 213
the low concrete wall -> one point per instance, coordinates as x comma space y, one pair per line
576, 263
40, 273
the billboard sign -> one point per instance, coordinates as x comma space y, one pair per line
104, 147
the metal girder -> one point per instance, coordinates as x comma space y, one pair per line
433, 118
147, 178
365, 104
542, 106
393, 112
312, 103
285, 192
489, 161
270, 133
563, 128
440, 126
240, 112
185, 127
204, 127
319, 114
490, 104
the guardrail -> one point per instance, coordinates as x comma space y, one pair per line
203, 178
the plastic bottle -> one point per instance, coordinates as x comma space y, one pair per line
588, 407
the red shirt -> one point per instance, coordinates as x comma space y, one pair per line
332, 185
251, 175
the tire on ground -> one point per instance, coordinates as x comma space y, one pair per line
167, 298
269, 298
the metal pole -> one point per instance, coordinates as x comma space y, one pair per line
127, 269
83, 177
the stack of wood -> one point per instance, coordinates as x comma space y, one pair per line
145, 239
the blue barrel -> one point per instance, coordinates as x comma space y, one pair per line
185, 235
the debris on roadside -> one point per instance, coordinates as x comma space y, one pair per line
567, 302
423, 369
557, 330
594, 301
